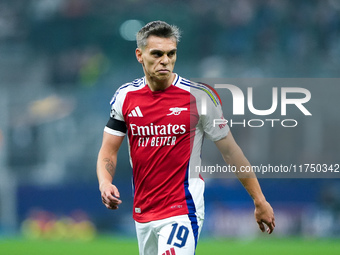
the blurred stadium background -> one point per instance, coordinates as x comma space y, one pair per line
62, 60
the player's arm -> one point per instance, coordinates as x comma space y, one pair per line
106, 168
233, 155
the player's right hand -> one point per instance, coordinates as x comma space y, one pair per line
110, 196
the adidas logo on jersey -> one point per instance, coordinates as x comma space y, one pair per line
136, 112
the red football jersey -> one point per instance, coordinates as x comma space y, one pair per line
165, 134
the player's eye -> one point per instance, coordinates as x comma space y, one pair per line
171, 53
157, 54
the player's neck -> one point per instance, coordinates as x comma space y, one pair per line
156, 85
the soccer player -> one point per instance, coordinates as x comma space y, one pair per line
162, 115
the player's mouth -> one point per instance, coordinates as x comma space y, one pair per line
163, 71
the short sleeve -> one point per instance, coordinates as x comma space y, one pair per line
116, 124
116, 106
212, 120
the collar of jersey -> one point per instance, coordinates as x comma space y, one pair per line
156, 92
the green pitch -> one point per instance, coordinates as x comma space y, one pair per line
112, 245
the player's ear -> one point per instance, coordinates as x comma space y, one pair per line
139, 55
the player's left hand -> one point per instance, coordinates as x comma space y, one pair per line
264, 215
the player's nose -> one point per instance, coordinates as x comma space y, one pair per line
165, 60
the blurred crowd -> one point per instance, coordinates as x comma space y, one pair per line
285, 38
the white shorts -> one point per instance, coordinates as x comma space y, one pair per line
172, 236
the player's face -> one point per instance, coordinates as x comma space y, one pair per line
158, 58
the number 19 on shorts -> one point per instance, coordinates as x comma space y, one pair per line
178, 236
